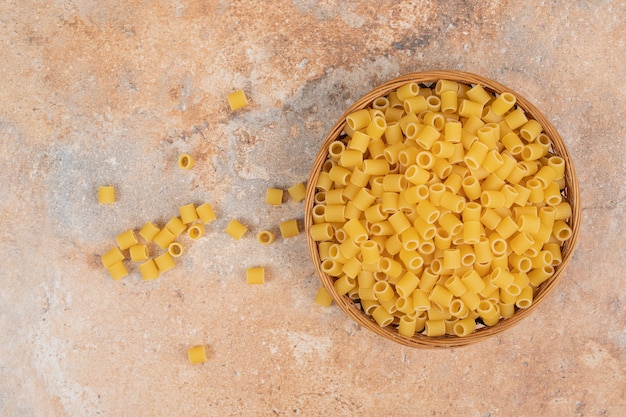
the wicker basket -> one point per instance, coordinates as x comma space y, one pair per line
571, 192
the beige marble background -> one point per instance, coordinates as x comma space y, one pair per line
98, 92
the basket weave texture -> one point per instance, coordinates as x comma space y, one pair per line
571, 194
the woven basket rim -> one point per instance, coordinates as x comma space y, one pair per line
572, 195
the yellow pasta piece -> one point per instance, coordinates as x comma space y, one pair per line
176, 226
382, 316
117, 270
113, 256
164, 262
175, 249
185, 161
149, 270
148, 232
289, 228
205, 213
323, 298
255, 275
407, 326
197, 354
265, 237
195, 231
464, 327
126, 239
274, 196
164, 238
237, 100
106, 194
139, 252
297, 192
435, 327
236, 229
188, 213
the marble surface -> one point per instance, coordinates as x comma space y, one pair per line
112, 92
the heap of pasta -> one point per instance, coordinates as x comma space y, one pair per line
440, 209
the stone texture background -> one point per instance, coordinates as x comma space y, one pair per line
112, 92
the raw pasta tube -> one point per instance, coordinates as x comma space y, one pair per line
113, 256
274, 196
197, 354
407, 326
164, 262
265, 237
106, 194
289, 228
148, 232
323, 298
188, 213
297, 192
381, 316
195, 231
176, 226
139, 252
237, 100
149, 270
236, 229
126, 239
205, 213
255, 275
175, 249
164, 238
118, 270
185, 161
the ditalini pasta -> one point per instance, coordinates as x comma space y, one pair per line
205, 213
274, 196
440, 209
289, 228
185, 161
237, 100
197, 354
265, 237
236, 229
298, 191
106, 194
255, 275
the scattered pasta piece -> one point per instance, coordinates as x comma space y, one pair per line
188, 213
176, 226
265, 237
236, 229
113, 256
206, 213
118, 270
149, 231
139, 252
195, 231
323, 298
164, 262
255, 275
237, 100
274, 196
164, 238
289, 228
106, 194
297, 192
185, 161
175, 249
126, 239
197, 354
149, 270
